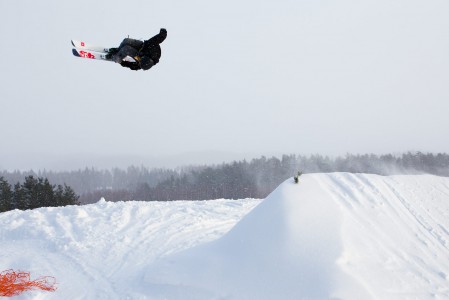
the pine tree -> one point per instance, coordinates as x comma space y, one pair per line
19, 197
64, 195
31, 192
47, 195
6, 199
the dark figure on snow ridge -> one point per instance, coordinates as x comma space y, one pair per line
136, 55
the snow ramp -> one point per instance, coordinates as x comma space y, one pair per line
332, 236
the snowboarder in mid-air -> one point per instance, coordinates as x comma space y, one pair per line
133, 54
143, 54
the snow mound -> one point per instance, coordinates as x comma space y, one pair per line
101, 251
332, 236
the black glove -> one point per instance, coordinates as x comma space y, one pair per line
132, 65
163, 31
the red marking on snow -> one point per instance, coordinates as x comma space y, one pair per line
14, 283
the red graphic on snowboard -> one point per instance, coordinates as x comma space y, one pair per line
86, 54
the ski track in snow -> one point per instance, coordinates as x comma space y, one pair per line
399, 225
332, 236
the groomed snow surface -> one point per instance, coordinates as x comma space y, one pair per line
332, 236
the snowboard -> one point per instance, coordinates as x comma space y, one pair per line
87, 50
90, 54
87, 46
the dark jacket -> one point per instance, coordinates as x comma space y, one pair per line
146, 54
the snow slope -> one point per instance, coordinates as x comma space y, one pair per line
332, 236
101, 251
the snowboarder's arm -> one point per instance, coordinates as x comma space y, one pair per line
157, 39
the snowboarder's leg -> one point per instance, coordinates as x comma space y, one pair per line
124, 52
131, 42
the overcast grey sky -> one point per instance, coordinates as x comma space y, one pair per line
236, 77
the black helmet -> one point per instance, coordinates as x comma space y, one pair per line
146, 63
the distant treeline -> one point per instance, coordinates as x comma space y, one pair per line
236, 180
34, 193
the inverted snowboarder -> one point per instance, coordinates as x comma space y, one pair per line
145, 54
133, 54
